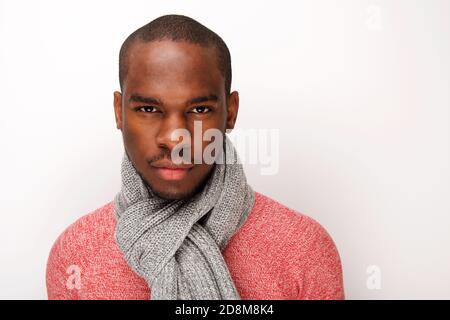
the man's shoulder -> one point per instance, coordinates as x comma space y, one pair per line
268, 208
97, 221
305, 247
76, 247
295, 227
86, 232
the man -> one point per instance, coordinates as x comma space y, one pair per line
187, 229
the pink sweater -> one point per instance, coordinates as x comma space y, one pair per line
278, 253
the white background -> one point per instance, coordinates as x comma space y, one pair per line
359, 90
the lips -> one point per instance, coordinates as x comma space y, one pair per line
171, 172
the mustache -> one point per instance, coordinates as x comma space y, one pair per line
166, 155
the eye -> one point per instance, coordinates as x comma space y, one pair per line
147, 109
201, 109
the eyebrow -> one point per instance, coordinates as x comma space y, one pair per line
139, 98
151, 100
211, 97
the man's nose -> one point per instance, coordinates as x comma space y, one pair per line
172, 126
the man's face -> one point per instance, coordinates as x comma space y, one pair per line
168, 86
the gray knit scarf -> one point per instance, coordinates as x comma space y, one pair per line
165, 243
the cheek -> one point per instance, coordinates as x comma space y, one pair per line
139, 137
215, 128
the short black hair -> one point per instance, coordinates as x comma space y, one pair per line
178, 28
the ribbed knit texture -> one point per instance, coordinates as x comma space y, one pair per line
278, 253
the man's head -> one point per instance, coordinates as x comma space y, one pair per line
172, 72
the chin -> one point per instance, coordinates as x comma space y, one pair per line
173, 195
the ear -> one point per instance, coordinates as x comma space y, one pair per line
118, 109
233, 108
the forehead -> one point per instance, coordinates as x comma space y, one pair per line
162, 67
